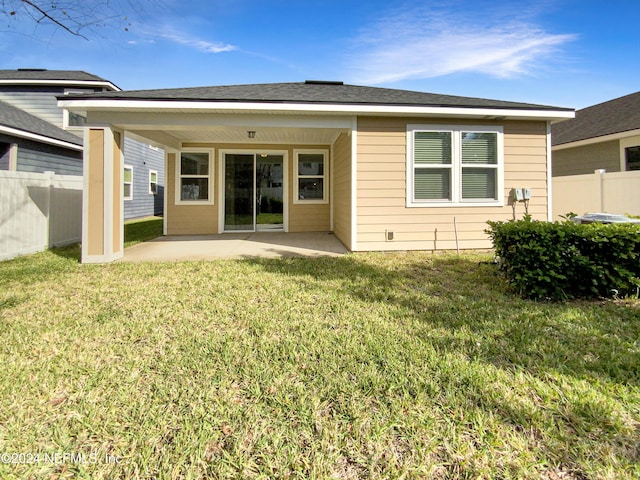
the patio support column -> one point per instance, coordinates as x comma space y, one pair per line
102, 201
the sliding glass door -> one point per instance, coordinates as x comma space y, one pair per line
253, 192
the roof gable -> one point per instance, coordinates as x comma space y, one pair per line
614, 116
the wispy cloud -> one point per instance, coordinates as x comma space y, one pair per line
198, 44
435, 42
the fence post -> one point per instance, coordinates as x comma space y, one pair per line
599, 177
49, 176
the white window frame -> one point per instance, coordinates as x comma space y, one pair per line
130, 197
456, 166
179, 177
151, 172
324, 176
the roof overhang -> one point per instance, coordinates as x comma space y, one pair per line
15, 132
159, 106
601, 139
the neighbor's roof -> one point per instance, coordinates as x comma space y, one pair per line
18, 122
44, 76
311, 92
615, 116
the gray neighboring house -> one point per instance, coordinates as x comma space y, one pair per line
37, 136
603, 136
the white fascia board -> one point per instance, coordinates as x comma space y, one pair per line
603, 138
141, 105
39, 138
67, 83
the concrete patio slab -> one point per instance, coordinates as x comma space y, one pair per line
235, 245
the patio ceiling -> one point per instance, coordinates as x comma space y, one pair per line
263, 135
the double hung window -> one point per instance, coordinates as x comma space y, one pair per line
194, 171
454, 165
127, 180
310, 173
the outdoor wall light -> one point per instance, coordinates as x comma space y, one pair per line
251, 133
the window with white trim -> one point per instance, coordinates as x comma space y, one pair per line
194, 180
127, 181
310, 173
454, 165
153, 182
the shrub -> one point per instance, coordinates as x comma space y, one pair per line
566, 260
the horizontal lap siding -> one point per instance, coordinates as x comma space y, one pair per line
38, 101
584, 160
342, 189
39, 158
381, 194
143, 159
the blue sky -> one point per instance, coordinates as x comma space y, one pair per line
569, 53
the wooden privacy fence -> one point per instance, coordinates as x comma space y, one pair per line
616, 193
38, 211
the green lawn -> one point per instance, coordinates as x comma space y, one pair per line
365, 366
141, 230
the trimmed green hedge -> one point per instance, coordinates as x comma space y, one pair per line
566, 260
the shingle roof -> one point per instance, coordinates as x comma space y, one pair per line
43, 74
312, 93
615, 116
13, 117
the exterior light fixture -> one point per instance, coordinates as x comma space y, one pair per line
251, 133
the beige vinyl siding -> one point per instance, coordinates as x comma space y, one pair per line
95, 230
189, 219
381, 185
586, 159
342, 189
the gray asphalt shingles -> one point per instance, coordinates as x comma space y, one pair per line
614, 116
18, 119
312, 93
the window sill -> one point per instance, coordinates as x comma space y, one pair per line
194, 202
311, 202
454, 204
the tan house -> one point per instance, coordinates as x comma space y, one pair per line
382, 169
605, 136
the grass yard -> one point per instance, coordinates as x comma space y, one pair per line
141, 230
365, 366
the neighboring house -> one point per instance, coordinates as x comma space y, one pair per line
30, 144
37, 136
604, 136
382, 169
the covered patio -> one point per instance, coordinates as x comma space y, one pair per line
235, 246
